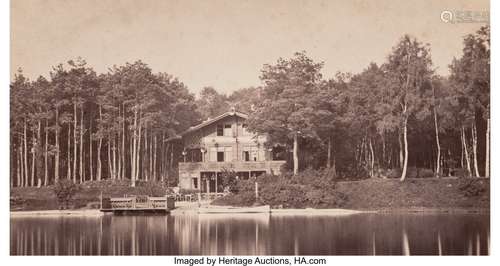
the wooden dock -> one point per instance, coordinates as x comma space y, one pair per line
137, 205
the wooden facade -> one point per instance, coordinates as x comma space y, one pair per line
219, 144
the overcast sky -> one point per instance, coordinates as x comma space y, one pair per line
225, 43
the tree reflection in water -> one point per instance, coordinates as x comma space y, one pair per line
253, 234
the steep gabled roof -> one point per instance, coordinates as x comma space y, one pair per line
209, 122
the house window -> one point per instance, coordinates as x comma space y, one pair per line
195, 183
220, 156
246, 156
220, 130
228, 130
254, 154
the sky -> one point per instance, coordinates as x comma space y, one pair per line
224, 44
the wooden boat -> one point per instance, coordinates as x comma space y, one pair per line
224, 209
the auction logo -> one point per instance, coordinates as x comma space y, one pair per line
465, 16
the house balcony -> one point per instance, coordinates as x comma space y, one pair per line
237, 166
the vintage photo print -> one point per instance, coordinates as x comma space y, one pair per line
271, 130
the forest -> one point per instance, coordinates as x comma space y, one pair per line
83, 126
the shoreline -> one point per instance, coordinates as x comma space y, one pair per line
307, 211
46, 213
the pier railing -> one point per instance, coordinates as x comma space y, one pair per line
137, 203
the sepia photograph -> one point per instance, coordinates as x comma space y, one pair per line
258, 132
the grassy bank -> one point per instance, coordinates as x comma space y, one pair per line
87, 197
368, 194
371, 194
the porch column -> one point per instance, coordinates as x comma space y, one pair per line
208, 185
216, 183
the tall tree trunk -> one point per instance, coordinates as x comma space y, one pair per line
46, 154
99, 162
401, 151
462, 151
163, 157
113, 148
82, 178
69, 152
124, 160
404, 106
131, 148
405, 139
295, 154
36, 148
75, 142
26, 171
466, 152
372, 165
56, 161
110, 167
138, 153
474, 148
438, 145
91, 163
134, 152
487, 157
33, 158
118, 158
21, 167
117, 146
151, 156
146, 161
18, 166
154, 158
365, 151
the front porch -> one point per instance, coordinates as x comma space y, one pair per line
207, 176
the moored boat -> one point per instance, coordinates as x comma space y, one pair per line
224, 209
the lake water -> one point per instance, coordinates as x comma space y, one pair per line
252, 234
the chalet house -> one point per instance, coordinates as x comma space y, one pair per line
222, 143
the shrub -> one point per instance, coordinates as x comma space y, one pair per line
229, 180
355, 172
393, 173
150, 188
460, 172
243, 186
310, 188
65, 190
472, 187
425, 173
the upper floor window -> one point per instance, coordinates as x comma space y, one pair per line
224, 130
220, 156
220, 130
252, 153
228, 130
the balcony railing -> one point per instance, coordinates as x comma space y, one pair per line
236, 166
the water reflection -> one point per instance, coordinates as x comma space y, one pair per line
252, 234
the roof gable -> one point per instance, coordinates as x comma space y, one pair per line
214, 120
